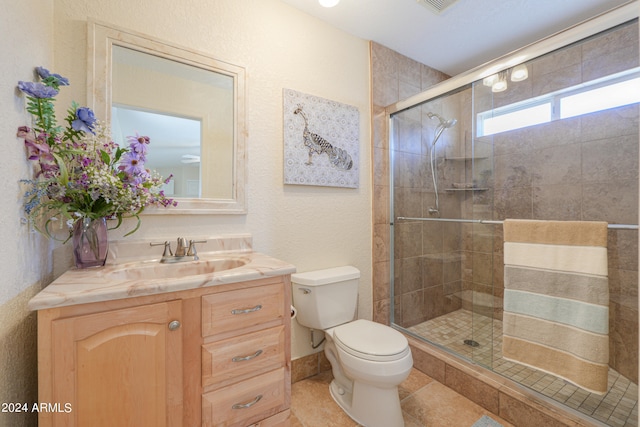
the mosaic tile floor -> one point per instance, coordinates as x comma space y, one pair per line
617, 408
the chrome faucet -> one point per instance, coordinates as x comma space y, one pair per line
183, 252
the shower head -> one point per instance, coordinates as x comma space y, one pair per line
449, 123
445, 124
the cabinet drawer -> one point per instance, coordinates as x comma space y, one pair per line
245, 402
241, 357
232, 310
278, 420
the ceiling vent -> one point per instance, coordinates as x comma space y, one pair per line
437, 6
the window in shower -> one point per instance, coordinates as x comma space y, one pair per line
515, 117
611, 95
612, 91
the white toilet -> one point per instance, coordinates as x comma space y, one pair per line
369, 360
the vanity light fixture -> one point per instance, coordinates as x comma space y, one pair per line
498, 82
328, 3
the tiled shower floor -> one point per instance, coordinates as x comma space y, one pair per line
619, 407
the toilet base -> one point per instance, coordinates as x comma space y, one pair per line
363, 407
341, 396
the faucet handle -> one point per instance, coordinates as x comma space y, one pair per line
167, 247
192, 248
181, 250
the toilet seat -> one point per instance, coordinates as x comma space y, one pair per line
371, 341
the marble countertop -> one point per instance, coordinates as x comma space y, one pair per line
127, 277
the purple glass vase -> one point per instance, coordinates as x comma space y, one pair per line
90, 242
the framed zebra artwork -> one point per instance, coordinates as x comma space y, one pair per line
321, 141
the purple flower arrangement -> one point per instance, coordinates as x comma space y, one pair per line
79, 171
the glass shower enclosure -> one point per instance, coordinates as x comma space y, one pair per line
551, 138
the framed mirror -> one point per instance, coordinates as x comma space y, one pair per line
191, 106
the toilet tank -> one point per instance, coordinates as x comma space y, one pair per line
326, 298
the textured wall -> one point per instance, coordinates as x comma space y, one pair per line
27, 32
310, 227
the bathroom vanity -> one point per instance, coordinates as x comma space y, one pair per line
141, 343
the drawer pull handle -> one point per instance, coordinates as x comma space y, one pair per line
246, 310
249, 357
247, 405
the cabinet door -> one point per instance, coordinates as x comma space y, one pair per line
120, 367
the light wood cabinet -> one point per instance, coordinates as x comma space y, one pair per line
217, 356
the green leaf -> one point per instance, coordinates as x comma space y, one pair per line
106, 158
136, 228
119, 218
64, 173
119, 153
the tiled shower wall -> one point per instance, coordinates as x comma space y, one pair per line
583, 168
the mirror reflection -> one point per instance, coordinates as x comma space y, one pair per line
176, 146
177, 106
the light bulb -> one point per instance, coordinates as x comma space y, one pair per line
519, 73
489, 81
501, 83
499, 86
328, 3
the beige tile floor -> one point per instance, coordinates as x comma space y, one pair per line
425, 403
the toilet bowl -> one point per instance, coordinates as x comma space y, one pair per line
368, 360
374, 360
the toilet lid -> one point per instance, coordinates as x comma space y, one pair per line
370, 340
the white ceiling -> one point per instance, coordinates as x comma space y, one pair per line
467, 34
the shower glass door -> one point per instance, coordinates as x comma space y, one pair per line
442, 263
552, 139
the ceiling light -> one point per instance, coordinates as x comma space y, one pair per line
190, 158
498, 82
519, 73
328, 3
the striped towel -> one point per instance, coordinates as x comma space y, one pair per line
556, 299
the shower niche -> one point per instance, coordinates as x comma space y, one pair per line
533, 140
